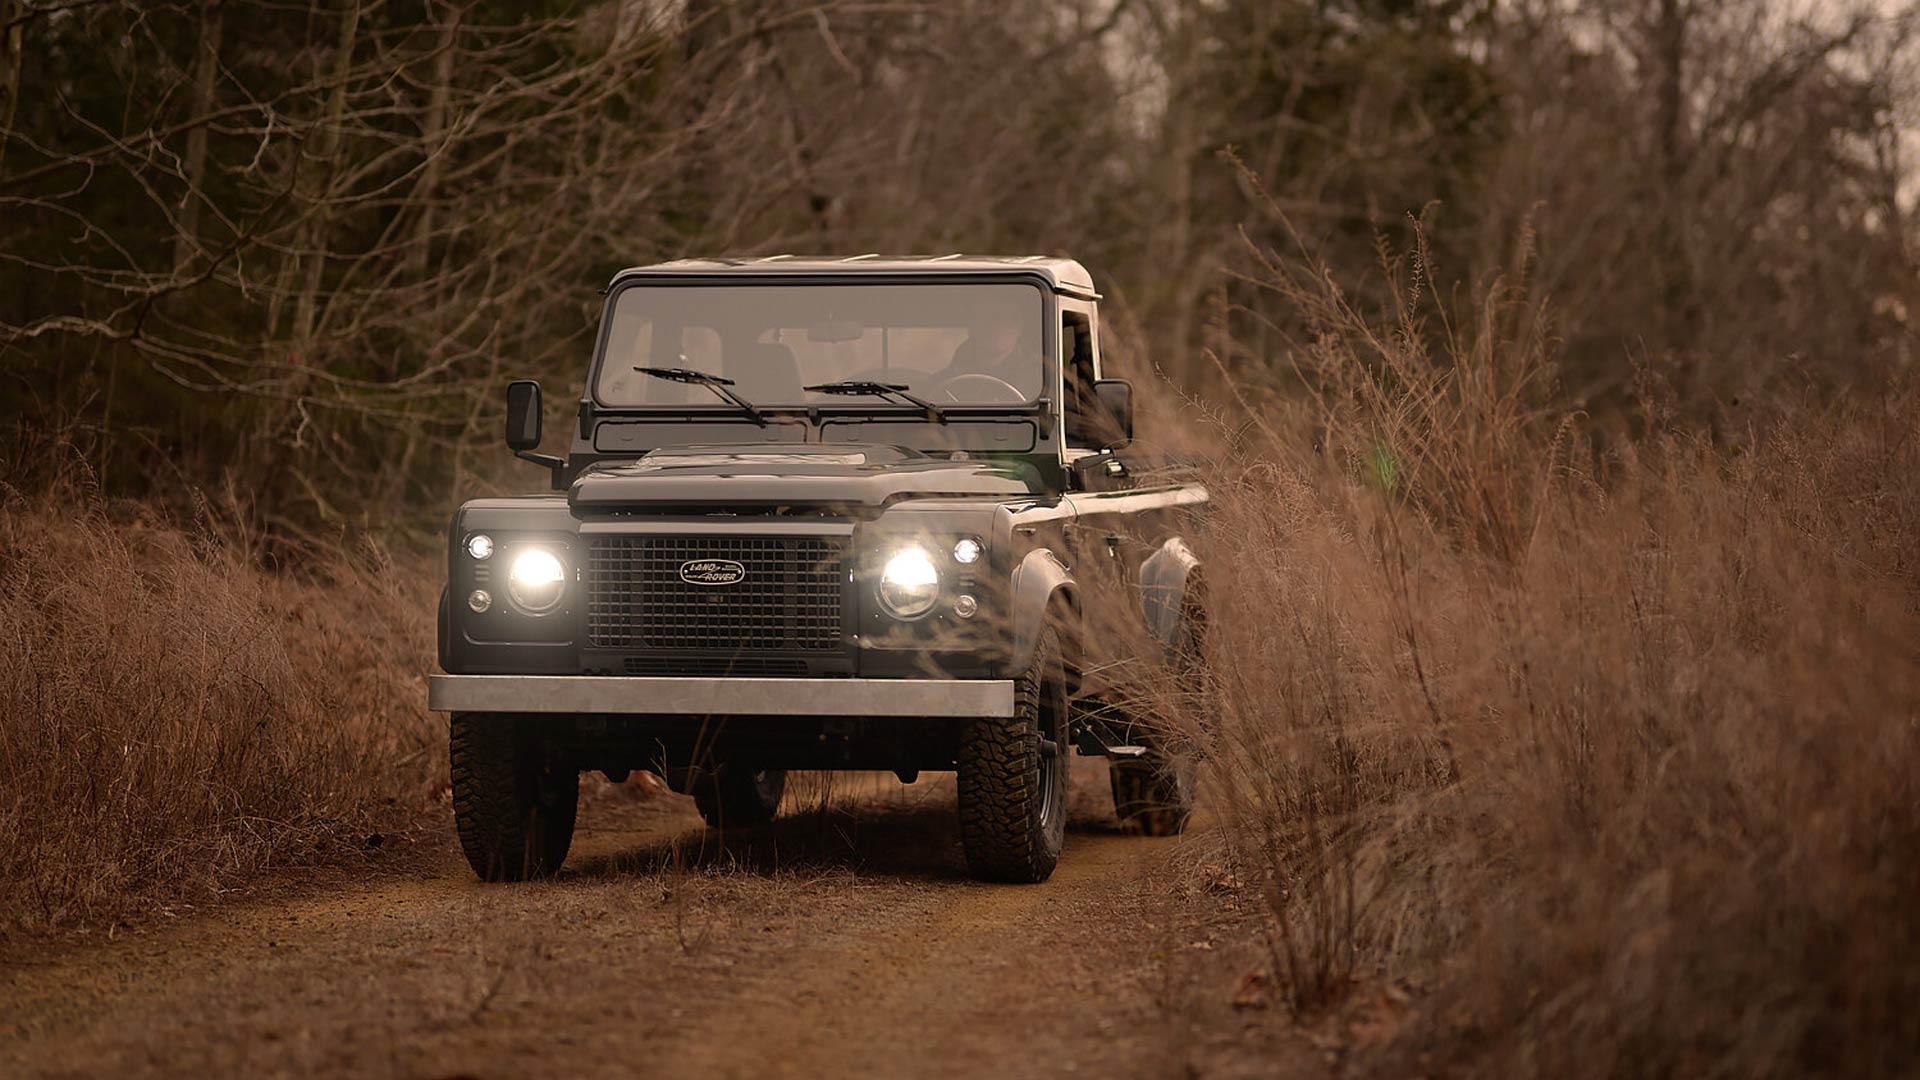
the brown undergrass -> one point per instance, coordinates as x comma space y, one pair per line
1608, 757
174, 719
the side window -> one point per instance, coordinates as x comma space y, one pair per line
1076, 368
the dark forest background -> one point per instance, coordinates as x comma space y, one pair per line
300, 247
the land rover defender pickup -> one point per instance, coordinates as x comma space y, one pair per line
825, 514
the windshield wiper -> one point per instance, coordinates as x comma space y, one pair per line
869, 388
716, 383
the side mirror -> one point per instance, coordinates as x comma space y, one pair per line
1116, 398
523, 415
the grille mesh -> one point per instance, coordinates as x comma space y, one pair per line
789, 597
715, 666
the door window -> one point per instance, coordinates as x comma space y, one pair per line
1076, 368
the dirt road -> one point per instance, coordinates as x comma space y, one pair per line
840, 940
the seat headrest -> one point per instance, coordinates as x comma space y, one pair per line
767, 372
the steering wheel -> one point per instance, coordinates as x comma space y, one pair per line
980, 389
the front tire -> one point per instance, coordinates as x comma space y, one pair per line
513, 803
1013, 777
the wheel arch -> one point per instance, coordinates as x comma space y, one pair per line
1044, 589
1170, 581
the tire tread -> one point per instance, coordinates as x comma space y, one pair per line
505, 832
999, 783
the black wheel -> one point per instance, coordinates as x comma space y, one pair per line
1013, 777
1152, 795
735, 798
513, 803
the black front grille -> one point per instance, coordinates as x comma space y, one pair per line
786, 596
715, 666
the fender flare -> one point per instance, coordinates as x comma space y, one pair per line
1164, 582
1040, 581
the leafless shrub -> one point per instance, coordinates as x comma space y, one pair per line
1612, 751
173, 719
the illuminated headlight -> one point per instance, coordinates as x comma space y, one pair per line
909, 585
480, 546
966, 551
537, 581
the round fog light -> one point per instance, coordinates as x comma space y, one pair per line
480, 546
964, 606
479, 600
967, 550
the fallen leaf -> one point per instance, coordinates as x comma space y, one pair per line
1255, 991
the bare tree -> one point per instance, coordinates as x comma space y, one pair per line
308, 247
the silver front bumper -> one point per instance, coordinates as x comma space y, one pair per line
670, 696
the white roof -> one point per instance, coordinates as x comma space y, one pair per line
1064, 275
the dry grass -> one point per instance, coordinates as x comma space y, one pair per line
174, 719
1611, 756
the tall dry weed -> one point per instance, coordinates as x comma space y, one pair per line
1613, 756
173, 718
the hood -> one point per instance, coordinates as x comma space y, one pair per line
757, 475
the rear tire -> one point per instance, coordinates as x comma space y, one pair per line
732, 798
1152, 795
513, 803
1013, 777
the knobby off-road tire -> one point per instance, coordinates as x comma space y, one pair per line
513, 806
1013, 777
1153, 795
732, 798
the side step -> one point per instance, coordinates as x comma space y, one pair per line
1103, 730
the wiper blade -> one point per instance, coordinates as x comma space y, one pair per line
685, 375
717, 383
870, 388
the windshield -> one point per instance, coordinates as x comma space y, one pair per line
977, 344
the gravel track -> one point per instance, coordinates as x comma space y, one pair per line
844, 940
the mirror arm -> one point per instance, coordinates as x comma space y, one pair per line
1103, 464
556, 465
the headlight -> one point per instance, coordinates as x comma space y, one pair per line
537, 581
909, 585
